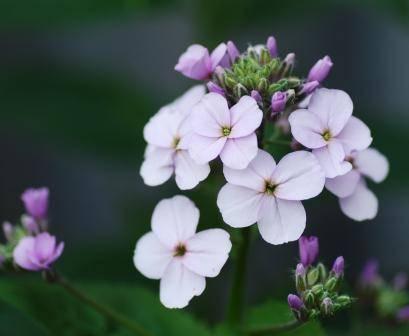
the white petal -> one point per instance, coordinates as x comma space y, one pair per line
239, 206
355, 135
282, 221
179, 285
237, 153
307, 128
332, 159
334, 108
151, 257
255, 175
157, 167
246, 117
207, 252
188, 172
174, 220
361, 205
372, 164
190, 98
344, 185
162, 129
298, 176
204, 149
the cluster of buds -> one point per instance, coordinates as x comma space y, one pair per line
28, 245
317, 288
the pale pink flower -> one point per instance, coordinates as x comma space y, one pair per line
355, 199
228, 133
174, 253
270, 194
167, 135
330, 130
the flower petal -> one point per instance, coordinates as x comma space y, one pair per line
344, 185
255, 175
207, 252
151, 257
174, 220
307, 128
298, 176
246, 117
333, 107
157, 167
179, 285
332, 159
239, 206
203, 149
184, 104
355, 135
188, 172
21, 253
371, 163
237, 153
44, 246
219, 56
361, 205
281, 221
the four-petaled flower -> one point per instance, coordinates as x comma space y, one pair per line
330, 130
270, 194
230, 133
36, 202
174, 253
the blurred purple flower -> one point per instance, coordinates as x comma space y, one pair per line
300, 270
8, 230
309, 87
256, 96
403, 314
278, 102
272, 46
232, 51
294, 302
308, 248
30, 224
320, 70
213, 87
338, 267
369, 274
400, 281
36, 202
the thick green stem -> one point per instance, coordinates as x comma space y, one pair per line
274, 329
237, 294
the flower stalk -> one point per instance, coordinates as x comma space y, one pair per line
275, 329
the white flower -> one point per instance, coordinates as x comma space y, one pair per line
167, 134
355, 199
270, 194
174, 253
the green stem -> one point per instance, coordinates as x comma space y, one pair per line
102, 309
274, 329
237, 294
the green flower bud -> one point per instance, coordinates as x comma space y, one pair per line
331, 284
293, 82
239, 90
326, 307
318, 289
312, 276
229, 81
322, 270
262, 85
309, 299
265, 56
343, 300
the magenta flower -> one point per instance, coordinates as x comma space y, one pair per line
328, 128
174, 253
36, 202
270, 194
403, 314
308, 249
37, 253
230, 133
320, 70
294, 302
278, 101
355, 199
30, 224
167, 134
196, 63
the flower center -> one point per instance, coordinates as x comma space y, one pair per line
226, 131
326, 135
176, 141
180, 250
270, 188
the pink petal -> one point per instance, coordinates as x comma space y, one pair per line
239, 206
333, 107
21, 253
355, 135
44, 246
195, 63
184, 104
157, 167
219, 55
298, 176
332, 159
208, 251
246, 117
179, 285
371, 163
174, 220
188, 172
203, 149
255, 175
307, 129
237, 153
344, 185
57, 252
361, 205
282, 221
151, 257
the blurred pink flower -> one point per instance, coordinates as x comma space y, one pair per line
36, 202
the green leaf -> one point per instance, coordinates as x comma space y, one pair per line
61, 314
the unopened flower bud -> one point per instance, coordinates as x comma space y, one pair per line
272, 46
403, 314
240, 90
308, 249
294, 302
278, 102
312, 276
8, 230
290, 59
400, 281
213, 87
338, 267
308, 87
327, 306
309, 299
320, 70
36, 202
331, 284
30, 224
219, 73
262, 85
322, 271
317, 289
264, 56
343, 300
300, 278
232, 51
256, 96
229, 81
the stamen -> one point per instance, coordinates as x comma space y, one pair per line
326, 135
226, 131
176, 141
180, 250
270, 188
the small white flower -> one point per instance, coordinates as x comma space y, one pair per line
174, 253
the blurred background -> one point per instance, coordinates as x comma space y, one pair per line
79, 80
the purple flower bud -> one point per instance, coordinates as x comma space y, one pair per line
195, 62
30, 224
309, 87
232, 51
37, 253
369, 275
294, 302
256, 96
403, 314
272, 46
308, 248
400, 281
338, 267
213, 87
36, 202
320, 70
290, 59
8, 230
326, 306
278, 102
300, 270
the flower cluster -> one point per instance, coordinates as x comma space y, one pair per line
28, 244
317, 289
